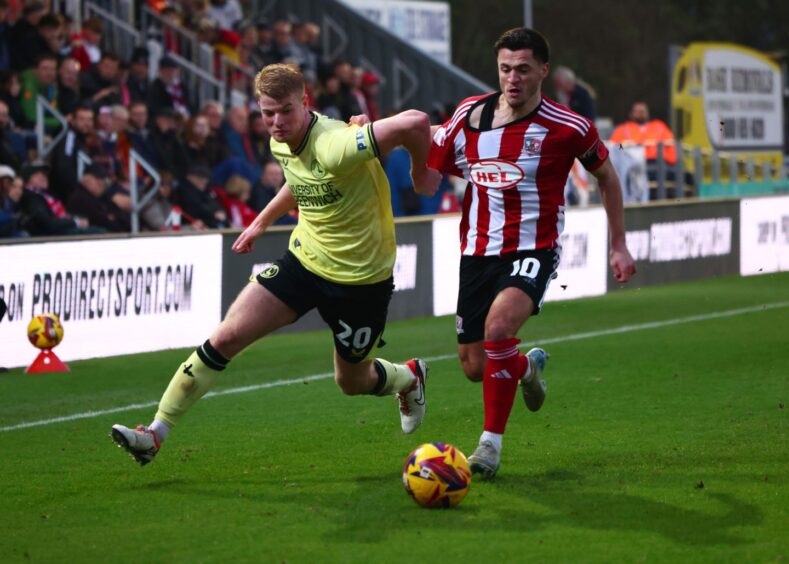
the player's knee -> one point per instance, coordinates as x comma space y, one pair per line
499, 328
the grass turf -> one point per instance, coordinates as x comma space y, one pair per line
659, 444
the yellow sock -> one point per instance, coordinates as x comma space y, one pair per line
190, 382
392, 378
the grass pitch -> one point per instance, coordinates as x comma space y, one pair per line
663, 442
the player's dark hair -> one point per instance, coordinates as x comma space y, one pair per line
524, 38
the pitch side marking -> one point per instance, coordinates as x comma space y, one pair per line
278, 383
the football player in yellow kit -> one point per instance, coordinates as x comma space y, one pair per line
339, 260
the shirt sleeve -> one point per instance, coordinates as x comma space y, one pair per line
591, 151
343, 149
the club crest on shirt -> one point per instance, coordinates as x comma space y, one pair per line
317, 169
532, 146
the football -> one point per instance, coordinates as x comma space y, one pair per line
436, 475
45, 331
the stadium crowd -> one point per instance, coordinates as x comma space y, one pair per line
215, 164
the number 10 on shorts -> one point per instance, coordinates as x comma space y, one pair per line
527, 268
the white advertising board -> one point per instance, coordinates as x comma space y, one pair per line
446, 264
113, 297
764, 235
425, 25
583, 268
742, 100
582, 271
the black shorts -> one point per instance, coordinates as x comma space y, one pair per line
482, 278
356, 314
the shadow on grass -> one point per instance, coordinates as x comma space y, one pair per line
576, 504
357, 506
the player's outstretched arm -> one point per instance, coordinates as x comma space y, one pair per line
411, 129
282, 203
622, 262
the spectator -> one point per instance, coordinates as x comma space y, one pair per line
235, 132
261, 54
64, 180
268, 185
328, 101
169, 152
198, 202
248, 48
370, 87
405, 201
574, 93
301, 53
5, 29
234, 197
86, 46
10, 194
226, 13
215, 146
640, 130
174, 22
40, 81
136, 136
346, 101
259, 139
10, 93
93, 201
167, 91
281, 51
23, 37
43, 213
12, 144
158, 210
100, 84
138, 84
69, 95
50, 31
198, 150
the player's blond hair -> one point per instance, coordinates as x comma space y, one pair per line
279, 81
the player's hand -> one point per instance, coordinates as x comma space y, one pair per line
622, 263
426, 181
359, 120
246, 241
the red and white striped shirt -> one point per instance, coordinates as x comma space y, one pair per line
516, 174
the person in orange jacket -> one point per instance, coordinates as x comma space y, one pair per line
640, 130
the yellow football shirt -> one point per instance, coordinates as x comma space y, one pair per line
345, 232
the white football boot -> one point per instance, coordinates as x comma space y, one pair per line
412, 400
533, 387
141, 443
485, 460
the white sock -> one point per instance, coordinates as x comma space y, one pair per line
494, 438
161, 430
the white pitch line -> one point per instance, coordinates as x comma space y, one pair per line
552, 340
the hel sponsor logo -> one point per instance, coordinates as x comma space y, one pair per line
459, 324
496, 174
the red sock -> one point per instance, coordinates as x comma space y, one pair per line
504, 367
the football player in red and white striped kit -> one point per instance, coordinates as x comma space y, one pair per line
515, 149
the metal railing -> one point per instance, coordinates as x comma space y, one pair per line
120, 36
138, 203
175, 39
201, 81
696, 169
43, 106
